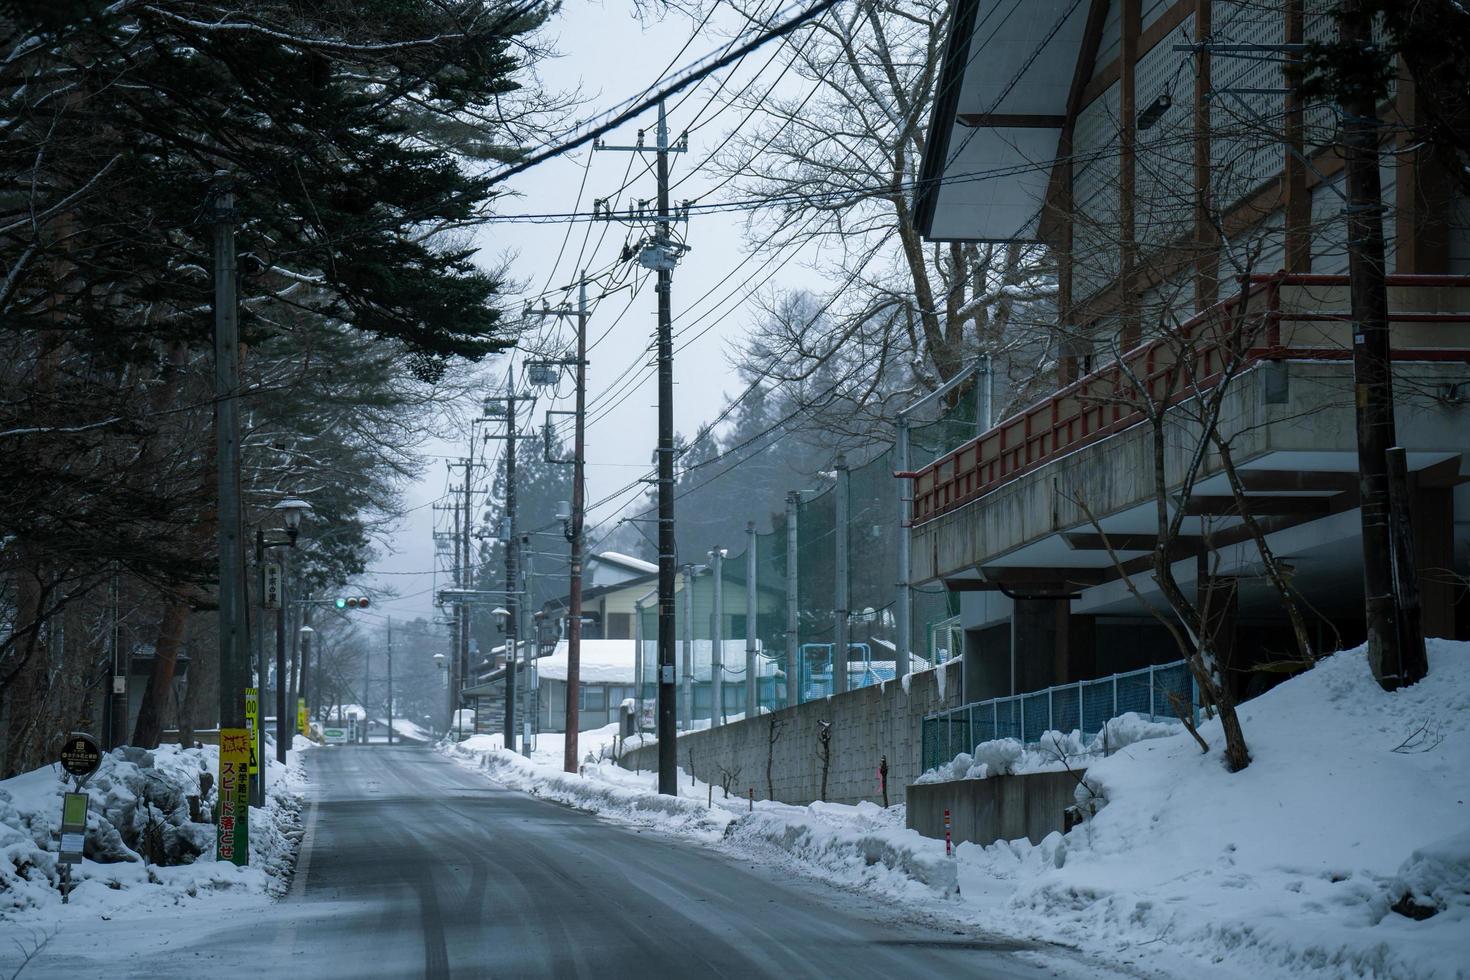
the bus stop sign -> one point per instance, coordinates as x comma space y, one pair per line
81, 755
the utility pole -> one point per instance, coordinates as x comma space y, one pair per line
234, 653
686, 683
717, 640
367, 679
574, 525
661, 255
793, 669
512, 546
840, 601
234, 658
1396, 659
390, 680
752, 610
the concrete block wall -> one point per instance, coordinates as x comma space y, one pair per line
866, 724
999, 808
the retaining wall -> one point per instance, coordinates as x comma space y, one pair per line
999, 808
866, 724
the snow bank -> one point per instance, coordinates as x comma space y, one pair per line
862, 846
141, 847
1354, 804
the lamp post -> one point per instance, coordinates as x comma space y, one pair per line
307, 636
292, 511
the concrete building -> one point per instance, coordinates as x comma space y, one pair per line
1183, 193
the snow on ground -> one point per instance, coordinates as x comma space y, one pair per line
1354, 803
138, 809
1353, 797
406, 729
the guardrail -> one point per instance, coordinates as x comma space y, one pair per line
1085, 705
1306, 319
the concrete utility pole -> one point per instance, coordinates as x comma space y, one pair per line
530, 637
390, 680
1396, 657
793, 613
752, 609
661, 255
512, 546
841, 645
717, 640
686, 684
234, 656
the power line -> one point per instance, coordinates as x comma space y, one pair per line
630, 109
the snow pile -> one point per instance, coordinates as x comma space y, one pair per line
1355, 804
141, 844
861, 846
1053, 752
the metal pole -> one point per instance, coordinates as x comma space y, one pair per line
234, 656
529, 642
668, 753
686, 682
752, 610
793, 669
903, 611
293, 669
512, 547
984, 395
390, 680
574, 626
456, 680
638, 678
282, 740
840, 647
717, 641
117, 728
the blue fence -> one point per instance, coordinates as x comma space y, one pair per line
1086, 706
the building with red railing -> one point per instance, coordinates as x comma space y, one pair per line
1193, 201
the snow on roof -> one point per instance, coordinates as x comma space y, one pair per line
627, 561
611, 661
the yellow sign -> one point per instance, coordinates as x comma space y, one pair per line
252, 722
232, 820
301, 725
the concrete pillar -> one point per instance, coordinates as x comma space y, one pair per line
1434, 556
1040, 633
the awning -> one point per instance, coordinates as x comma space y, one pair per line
998, 116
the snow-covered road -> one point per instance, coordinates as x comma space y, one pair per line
415, 866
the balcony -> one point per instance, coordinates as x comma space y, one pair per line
1307, 320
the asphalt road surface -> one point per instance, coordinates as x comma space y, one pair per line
414, 866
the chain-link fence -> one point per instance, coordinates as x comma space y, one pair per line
1156, 693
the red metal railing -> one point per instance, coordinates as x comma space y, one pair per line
1106, 401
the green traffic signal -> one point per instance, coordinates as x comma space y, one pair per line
341, 603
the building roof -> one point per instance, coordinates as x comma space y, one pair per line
999, 111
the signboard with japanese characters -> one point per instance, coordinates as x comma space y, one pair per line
73, 827
270, 593
252, 722
232, 816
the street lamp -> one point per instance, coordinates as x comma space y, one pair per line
292, 510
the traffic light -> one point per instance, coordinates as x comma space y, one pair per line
353, 602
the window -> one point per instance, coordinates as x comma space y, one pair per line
592, 697
618, 626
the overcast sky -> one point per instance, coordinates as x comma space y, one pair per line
610, 56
